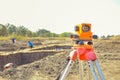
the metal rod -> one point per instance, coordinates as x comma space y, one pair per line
66, 71
99, 70
81, 70
92, 70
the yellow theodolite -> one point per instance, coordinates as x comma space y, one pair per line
83, 31
83, 50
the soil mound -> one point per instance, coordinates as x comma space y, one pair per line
50, 66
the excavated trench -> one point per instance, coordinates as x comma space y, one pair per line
20, 58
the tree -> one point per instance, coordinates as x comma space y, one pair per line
65, 34
103, 37
34, 34
22, 31
54, 35
3, 30
43, 33
12, 29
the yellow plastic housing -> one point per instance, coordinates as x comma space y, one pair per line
84, 35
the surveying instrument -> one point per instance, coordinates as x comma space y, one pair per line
84, 51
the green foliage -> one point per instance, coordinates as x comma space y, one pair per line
3, 30
65, 34
23, 31
11, 29
20, 32
43, 33
107, 37
103, 37
18, 37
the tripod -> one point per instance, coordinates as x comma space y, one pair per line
83, 52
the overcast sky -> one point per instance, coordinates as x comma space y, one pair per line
62, 15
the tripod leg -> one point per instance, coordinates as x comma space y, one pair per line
81, 70
92, 70
99, 70
66, 71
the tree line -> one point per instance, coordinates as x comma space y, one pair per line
10, 29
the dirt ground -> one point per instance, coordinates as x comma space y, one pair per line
49, 67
